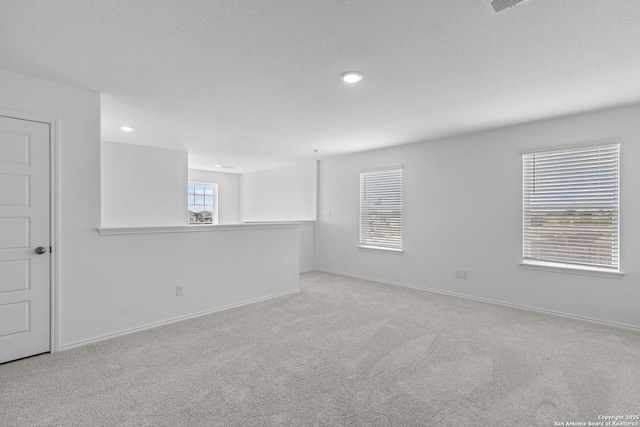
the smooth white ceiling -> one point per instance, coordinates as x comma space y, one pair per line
255, 84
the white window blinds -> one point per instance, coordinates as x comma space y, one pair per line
571, 206
381, 209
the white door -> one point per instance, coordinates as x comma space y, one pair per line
24, 239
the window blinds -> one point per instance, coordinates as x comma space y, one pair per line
381, 208
571, 206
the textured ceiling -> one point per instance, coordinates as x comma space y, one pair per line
254, 84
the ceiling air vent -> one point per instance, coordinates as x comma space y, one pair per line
500, 5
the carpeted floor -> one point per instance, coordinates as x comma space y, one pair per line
343, 351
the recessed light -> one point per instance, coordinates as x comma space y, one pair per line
217, 165
352, 76
126, 128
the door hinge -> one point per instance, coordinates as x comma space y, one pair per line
50, 250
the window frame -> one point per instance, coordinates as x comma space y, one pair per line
567, 267
370, 245
215, 211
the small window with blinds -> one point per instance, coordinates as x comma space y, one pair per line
381, 209
571, 207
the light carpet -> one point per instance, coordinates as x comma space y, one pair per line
342, 352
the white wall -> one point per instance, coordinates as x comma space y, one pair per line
463, 210
287, 193
110, 284
307, 246
142, 186
282, 194
136, 286
228, 193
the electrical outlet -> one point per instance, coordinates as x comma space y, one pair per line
462, 274
179, 290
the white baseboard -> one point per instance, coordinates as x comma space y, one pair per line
487, 300
173, 320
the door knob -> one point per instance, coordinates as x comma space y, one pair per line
40, 250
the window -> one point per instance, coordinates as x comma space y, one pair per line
570, 215
381, 209
202, 201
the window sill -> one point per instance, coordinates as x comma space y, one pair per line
109, 231
570, 269
379, 249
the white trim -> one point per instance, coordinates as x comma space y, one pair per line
24, 115
381, 249
173, 320
301, 221
487, 300
54, 211
316, 227
382, 168
111, 231
604, 141
570, 269
55, 230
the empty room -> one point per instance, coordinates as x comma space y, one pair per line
319, 213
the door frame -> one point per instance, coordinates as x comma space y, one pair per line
53, 122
